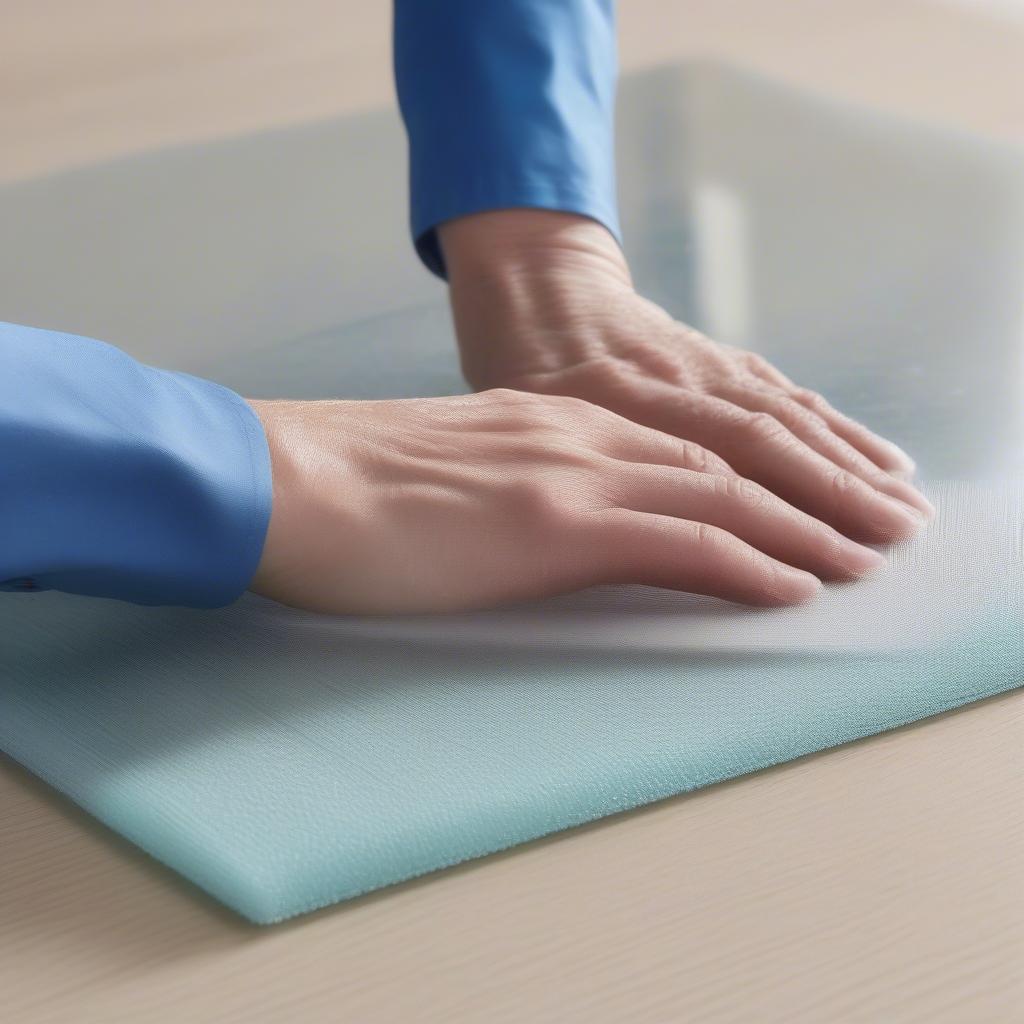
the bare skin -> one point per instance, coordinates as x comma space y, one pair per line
543, 302
607, 444
438, 504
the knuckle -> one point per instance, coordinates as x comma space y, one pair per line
507, 396
793, 414
811, 399
615, 375
532, 412
520, 410
538, 501
844, 484
609, 426
710, 539
765, 427
572, 403
741, 491
573, 411
699, 459
615, 368
564, 450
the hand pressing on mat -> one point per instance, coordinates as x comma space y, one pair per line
440, 504
543, 302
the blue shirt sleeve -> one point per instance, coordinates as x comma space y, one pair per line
507, 103
121, 480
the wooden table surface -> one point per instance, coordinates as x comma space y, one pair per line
882, 881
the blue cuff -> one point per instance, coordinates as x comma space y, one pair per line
506, 104
122, 480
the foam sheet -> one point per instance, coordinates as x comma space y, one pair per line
283, 760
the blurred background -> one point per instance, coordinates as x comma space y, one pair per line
81, 82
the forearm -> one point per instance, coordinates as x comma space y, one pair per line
122, 480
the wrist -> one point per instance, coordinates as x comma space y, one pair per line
518, 278
506, 244
278, 423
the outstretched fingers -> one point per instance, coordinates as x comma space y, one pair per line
817, 433
762, 449
695, 557
882, 452
750, 512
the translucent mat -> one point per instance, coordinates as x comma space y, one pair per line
283, 760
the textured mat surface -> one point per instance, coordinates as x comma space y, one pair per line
283, 760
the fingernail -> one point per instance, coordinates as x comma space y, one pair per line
858, 559
906, 463
898, 518
912, 497
924, 505
801, 585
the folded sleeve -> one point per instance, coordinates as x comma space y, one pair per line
121, 480
507, 103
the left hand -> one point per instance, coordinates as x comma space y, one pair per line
543, 302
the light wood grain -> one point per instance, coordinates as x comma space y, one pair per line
877, 882
883, 881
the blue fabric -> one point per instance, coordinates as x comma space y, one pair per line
124, 481
507, 104
121, 480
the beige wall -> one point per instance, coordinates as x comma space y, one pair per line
84, 81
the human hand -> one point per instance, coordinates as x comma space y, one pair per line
441, 504
543, 302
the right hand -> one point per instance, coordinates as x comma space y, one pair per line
445, 504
